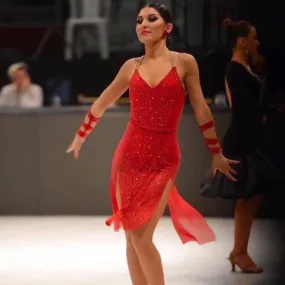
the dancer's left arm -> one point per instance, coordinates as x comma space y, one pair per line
204, 116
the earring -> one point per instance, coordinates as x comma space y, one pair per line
165, 34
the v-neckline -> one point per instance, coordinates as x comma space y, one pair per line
159, 82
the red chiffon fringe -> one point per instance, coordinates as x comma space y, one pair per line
189, 224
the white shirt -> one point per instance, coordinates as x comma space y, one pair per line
31, 98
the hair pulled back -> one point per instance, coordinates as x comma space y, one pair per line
162, 10
235, 30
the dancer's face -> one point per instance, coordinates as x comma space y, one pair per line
250, 44
151, 27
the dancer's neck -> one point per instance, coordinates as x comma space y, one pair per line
156, 50
241, 58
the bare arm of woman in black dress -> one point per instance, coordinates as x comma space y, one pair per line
228, 93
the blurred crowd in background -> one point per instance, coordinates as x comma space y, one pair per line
52, 51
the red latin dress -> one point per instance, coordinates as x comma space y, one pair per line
148, 156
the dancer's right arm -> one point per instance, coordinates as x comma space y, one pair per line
112, 93
115, 90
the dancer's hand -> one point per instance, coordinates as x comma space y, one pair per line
76, 146
223, 164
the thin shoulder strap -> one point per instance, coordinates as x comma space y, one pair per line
138, 62
175, 59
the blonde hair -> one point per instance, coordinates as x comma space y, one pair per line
15, 67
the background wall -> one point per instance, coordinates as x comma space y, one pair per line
38, 177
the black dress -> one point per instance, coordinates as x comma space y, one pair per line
243, 140
245, 131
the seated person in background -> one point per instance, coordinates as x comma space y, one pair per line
21, 93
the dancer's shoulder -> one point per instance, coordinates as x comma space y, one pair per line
187, 58
128, 66
235, 69
188, 62
130, 63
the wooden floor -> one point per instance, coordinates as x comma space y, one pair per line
83, 251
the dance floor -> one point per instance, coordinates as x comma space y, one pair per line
59, 250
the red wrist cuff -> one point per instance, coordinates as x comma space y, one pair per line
212, 141
86, 127
91, 118
207, 126
215, 150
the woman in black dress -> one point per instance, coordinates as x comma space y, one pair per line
244, 135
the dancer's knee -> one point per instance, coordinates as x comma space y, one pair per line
129, 241
142, 244
141, 239
136, 240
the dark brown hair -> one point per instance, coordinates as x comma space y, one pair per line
162, 10
236, 30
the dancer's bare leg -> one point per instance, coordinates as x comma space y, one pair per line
245, 213
142, 238
136, 274
135, 270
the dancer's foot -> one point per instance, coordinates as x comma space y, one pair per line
245, 263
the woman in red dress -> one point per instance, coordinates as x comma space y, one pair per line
147, 159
